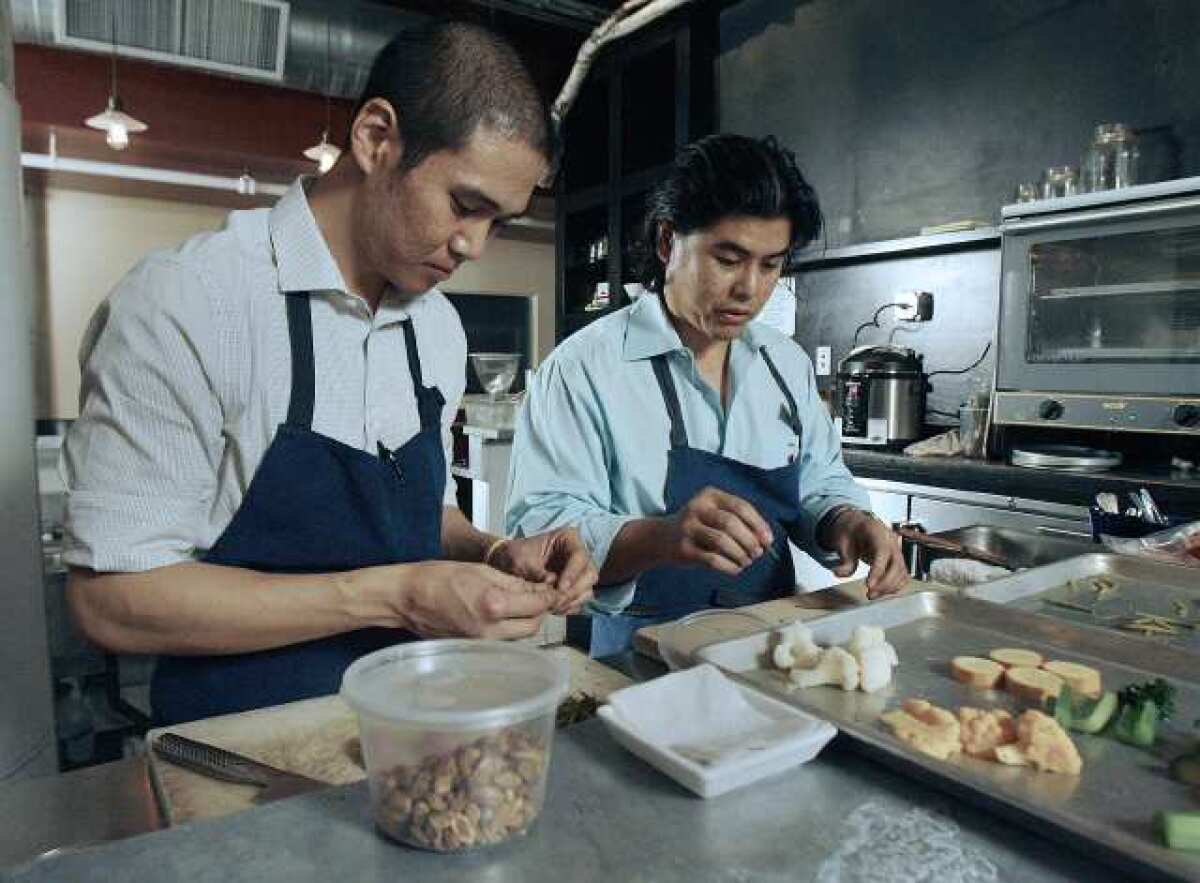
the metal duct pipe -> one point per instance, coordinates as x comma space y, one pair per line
356, 32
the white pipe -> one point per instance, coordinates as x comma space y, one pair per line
51, 163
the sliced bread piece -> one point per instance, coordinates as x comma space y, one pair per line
1034, 685
1012, 656
976, 671
1084, 680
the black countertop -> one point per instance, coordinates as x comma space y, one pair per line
1176, 492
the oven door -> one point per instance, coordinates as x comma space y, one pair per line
1103, 301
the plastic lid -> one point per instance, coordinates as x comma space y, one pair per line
453, 684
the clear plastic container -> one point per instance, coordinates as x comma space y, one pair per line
496, 371
456, 738
493, 412
1111, 162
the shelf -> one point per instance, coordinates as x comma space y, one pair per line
817, 256
1133, 288
1076, 355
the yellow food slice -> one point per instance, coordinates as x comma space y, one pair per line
984, 731
975, 671
1032, 684
925, 727
1084, 679
1047, 744
1012, 755
1012, 656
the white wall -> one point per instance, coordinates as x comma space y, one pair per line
510, 266
85, 242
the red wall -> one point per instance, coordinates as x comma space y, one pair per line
198, 121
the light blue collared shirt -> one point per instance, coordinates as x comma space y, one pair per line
592, 439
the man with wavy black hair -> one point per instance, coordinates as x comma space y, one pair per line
259, 480
686, 442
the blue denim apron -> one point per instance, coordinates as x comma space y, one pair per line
315, 505
667, 593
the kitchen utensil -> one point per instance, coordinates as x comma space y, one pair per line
496, 371
493, 412
1112, 159
942, 544
1060, 181
1026, 192
881, 396
1106, 811
200, 757
1070, 457
1151, 508
972, 431
469, 716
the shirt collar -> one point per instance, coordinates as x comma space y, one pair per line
302, 257
650, 333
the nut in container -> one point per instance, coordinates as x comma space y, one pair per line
456, 737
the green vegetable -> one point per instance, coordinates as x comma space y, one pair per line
1180, 830
1157, 691
1186, 768
1138, 724
1094, 717
1064, 707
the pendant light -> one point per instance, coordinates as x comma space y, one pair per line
323, 153
114, 122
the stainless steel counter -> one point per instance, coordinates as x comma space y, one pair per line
608, 816
109, 802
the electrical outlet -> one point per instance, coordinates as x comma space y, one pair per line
824, 361
917, 306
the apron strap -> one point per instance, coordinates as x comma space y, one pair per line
793, 411
300, 333
414, 357
666, 383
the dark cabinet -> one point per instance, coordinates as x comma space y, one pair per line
645, 97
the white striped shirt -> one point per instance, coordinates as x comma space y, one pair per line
187, 375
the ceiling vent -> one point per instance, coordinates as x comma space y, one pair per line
245, 37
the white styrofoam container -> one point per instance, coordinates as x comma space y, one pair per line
710, 781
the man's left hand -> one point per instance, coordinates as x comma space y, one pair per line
558, 559
857, 536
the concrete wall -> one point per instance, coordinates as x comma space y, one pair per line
907, 113
85, 242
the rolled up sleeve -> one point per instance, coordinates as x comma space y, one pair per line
825, 482
558, 476
140, 464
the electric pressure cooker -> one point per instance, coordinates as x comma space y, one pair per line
881, 396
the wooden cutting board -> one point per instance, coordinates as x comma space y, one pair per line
317, 738
778, 612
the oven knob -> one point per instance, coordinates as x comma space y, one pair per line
1050, 410
1187, 416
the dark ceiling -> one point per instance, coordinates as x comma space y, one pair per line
548, 48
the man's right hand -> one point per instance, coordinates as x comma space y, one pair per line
453, 599
717, 530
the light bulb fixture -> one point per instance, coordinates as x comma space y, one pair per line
114, 122
323, 153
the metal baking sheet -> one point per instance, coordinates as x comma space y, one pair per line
1139, 587
1107, 810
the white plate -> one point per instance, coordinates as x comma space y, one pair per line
712, 780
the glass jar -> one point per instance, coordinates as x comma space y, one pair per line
1112, 159
1060, 181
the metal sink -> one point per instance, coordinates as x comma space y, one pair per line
1021, 548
